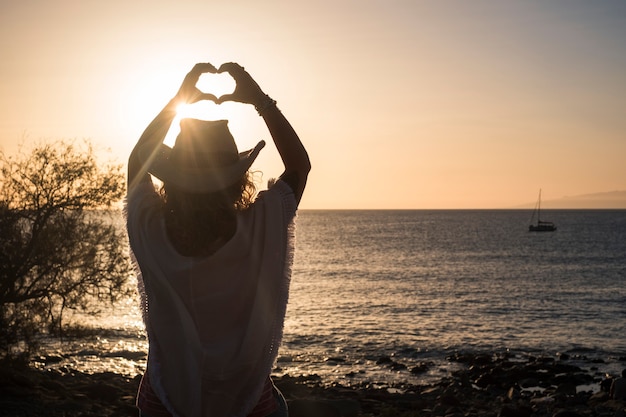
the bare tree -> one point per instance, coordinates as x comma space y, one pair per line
57, 249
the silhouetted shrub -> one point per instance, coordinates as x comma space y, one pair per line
58, 250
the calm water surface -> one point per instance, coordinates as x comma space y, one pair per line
420, 285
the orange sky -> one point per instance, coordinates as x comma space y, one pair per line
401, 103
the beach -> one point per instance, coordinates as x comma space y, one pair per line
494, 384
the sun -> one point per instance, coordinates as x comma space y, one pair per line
184, 110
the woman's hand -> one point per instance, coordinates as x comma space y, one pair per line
188, 92
246, 89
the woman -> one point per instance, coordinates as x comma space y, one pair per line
213, 263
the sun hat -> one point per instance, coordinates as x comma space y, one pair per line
204, 157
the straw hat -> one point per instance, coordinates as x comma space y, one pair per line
204, 158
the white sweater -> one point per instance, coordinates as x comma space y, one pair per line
214, 323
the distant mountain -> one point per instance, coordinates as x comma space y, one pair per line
608, 200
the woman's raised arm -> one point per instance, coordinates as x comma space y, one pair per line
293, 154
154, 134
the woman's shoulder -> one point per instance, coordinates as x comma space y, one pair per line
142, 206
279, 197
278, 186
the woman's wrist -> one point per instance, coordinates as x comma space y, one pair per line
264, 104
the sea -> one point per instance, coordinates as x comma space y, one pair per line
388, 296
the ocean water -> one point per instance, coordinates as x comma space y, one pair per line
417, 286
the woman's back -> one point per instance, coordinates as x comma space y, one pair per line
202, 239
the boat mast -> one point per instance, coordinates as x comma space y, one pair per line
539, 208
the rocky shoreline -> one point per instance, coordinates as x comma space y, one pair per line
487, 385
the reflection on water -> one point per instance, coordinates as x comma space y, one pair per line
117, 352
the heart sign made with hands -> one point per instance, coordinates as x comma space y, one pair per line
218, 84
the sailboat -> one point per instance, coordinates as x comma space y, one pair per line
540, 226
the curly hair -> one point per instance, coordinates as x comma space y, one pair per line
198, 224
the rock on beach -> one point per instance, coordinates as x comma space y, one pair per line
486, 385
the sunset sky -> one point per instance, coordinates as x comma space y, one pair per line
400, 103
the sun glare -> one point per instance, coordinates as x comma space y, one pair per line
216, 84
243, 120
186, 110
